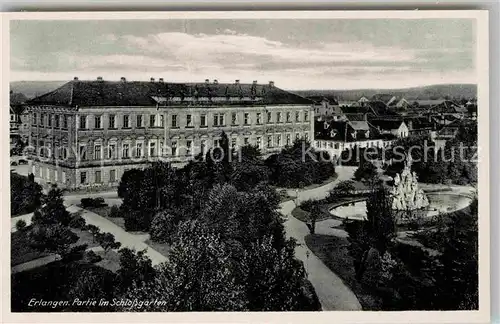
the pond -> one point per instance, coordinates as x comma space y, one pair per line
439, 203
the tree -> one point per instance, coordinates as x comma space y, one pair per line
380, 219
20, 225
249, 169
91, 283
54, 211
107, 241
458, 274
197, 277
313, 216
367, 171
94, 230
136, 269
54, 238
164, 226
25, 194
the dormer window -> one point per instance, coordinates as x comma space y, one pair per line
367, 134
333, 133
325, 125
353, 134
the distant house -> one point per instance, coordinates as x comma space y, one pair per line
19, 118
336, 136
420, 125
396, 127
384, 97
326, 106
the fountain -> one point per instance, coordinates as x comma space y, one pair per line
405, 193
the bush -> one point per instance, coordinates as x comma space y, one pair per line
92, 257
163, 227
307, 205
137, 220
114, 212
20, 225
77, 221
343, 189
93, 202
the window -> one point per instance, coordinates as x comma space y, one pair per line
246, 140
221, 120
97, 152
56, 121
83, 122
297, 136
297, 116
174, 121
278, 117
269, 141
111, 151
173, 149
65, 121
259, 118
97, 122
49, 120
306, 116
83, 152
233, 142
139, 121
33, 119
98, 176
126, 122
138, 150
278, 140
336, 145
234, 119
152, 120
189, 121
188, 147
125, 150
152, 149
161, 148
288, 117
247, 119
288, 139
269, 117
259, 142
83, 177
216, 143
111, 121
42, 120
218, 119
112, 175
162, 121
203, 120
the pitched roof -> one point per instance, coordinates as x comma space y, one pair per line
384, 97
355, 117
381, 109
342, 131
139, 93
359, 125
386, 124
330, 99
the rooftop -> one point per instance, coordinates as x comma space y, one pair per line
153, 93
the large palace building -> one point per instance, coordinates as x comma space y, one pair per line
87, 133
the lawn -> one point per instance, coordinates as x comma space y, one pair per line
303, 215
162, 248
333, 251
110, 260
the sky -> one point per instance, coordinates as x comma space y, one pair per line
294, 53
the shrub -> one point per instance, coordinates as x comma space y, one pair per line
114, 212
20, 225
92, 257
163, 227
307, 205
92, 202
77, 222
137, 220
343, 189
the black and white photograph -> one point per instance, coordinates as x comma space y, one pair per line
249, 164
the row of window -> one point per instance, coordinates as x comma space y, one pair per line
336, 145
219, 119
97, 176
138, 151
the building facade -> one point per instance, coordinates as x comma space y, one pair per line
88, 133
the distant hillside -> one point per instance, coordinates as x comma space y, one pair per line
455, 91
32, 89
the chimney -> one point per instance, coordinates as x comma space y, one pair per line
236, 81
152, 79
216, 82
99, 78
207, 81
160, 80
75, 79
271, 84
123, 79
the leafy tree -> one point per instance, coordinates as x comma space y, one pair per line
249, 169
135, 269
26, 195
342, 189
366, 171
380, 219
313, 216
107, 241
93, 283
198, 276
20, 225
77, 221
54, 238
164, 226
54, 211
